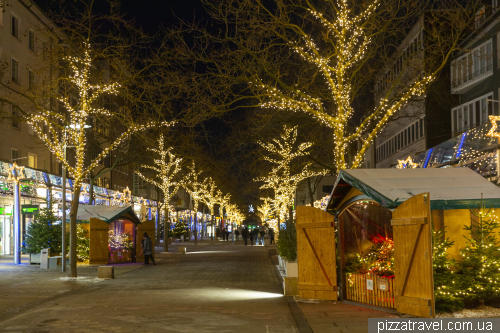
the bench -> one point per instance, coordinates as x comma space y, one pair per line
54, 261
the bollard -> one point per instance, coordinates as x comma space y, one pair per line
182, 250
106, 272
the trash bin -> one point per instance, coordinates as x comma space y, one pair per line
44, 259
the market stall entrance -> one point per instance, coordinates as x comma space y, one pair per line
384, 220
316, 254
115, 233
411, 223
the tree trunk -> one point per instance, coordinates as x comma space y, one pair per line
166, 227
311, 193
72, 229
290, 214
195, 228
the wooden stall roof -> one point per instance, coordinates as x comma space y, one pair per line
107, 214
450, 188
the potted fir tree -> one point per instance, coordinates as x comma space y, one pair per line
44, 232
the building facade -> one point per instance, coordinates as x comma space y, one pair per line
424, 121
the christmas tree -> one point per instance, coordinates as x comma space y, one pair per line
447, 293
82, 244
180, 229
44, 232
480, 264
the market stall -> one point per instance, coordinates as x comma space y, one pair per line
384, 220
115, 233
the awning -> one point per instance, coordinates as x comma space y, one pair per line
449, 188
107, 214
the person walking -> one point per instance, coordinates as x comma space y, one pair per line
237, 233
256, 235
271, 236
227, 235
232, 237
251, 238
147, 248
244, 234
262, 233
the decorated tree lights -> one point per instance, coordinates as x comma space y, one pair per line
166, 168
210, 199
56, 130
339, 66
408, 163
281, 180
197, 192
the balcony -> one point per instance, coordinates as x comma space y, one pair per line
468, 81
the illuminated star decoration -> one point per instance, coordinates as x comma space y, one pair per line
408, 163
126, 196
15, 173
493, 132
250, 209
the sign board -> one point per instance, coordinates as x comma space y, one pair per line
383, 284
369, 284
5, 210
29, 209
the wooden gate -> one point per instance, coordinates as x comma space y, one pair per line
414, 281
98, 247
149, 227
316, 254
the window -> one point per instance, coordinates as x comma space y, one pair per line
472, 114
31, 40
474, 65
31, 80
14, 27
32, 159
14, 154
412, 132
421, 127
480, 17
106, 183
15, 118
15, 71
30, 130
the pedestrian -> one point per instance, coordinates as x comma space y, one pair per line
262, 233
256, 235
232, 237
245, 235
223, 234
271, 236
147, 248
227, 235
251, 238
237, 233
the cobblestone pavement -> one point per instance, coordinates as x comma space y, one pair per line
213, 288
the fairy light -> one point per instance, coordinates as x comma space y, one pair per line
280, 179
350, 41
493, 132
88, 95
166, 168
15, 173
408, 163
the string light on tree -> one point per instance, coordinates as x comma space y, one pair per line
56, 129
166, 169
283, 151
347, 34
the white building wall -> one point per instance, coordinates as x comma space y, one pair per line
23, 139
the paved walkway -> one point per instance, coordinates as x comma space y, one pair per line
216, 287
